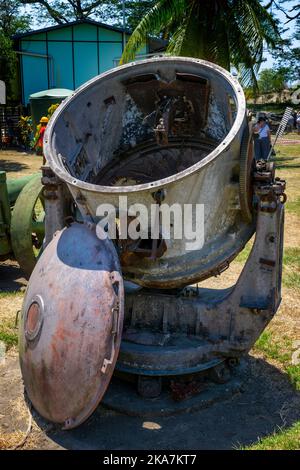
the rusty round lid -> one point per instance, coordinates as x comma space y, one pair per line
71, 325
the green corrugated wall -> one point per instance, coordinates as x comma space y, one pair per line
78, 53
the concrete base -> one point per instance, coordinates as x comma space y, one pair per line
122, 396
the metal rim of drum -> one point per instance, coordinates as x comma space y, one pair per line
60, 170
34, 315
245, 183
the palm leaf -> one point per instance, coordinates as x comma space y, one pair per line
159, 16
222, 31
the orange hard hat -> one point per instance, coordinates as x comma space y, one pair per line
44, 119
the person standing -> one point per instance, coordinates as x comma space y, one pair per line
294, 114
298, 122
40, 138
262, 141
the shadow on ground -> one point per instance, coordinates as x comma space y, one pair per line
9, 166
11, 277
267, 403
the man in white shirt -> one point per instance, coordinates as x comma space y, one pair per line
262, 142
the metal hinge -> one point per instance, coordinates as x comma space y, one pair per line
115, 277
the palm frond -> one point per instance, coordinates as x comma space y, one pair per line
152, 23
222, 31
187, 40
251, 25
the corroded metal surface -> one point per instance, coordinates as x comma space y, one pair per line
71, 325
27, 224
21, 226
245, 180
169, 130
167, 124
189, 331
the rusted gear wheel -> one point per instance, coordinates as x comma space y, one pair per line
220, 374
246, 165
27, 225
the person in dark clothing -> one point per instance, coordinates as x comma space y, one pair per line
262, 140
294, 114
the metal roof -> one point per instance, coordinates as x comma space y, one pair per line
66, 25
51, 93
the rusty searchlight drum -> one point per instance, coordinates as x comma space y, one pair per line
168, 132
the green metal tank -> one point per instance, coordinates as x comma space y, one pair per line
41, 101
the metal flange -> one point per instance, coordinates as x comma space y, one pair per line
27, 225
245, 184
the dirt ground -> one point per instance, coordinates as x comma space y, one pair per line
266, 402
18, 163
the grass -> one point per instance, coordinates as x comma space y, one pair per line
244, 254
7, 294
291, 136
293, 372
274, 344
8, 329
291, 264
283, 439
293, 206
291, 268
10, 339
279, 350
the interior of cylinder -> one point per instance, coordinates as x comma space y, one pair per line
140, 128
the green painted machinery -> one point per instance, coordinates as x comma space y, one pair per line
21, 219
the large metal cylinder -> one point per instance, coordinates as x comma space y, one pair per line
175, 127
162, 131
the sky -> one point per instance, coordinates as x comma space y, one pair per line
268, 63
290, 30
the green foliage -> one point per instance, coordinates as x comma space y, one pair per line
134, 12
11, 22
249, 93
230, 32
288, 54
25, 125
64, 11
273, 80
52, 109
8, 61
111, 11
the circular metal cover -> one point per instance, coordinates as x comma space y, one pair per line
71, 325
